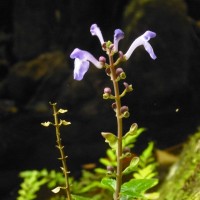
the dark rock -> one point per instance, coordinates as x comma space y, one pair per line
163, 84
42, 26
26, 78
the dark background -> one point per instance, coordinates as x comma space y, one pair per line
36, 39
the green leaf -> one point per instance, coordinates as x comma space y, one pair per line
111, 155
148, 151
146, 172
153, 195
111, 139
93, 185
111, 183
77, 197
105, 161
147, 165
100, 171
135, 188
130, 137
132, 166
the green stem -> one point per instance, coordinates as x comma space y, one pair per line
119, 129
61, 147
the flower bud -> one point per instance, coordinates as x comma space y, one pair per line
102, 60
104, 46
128, 87
124, 111
126, 150
114, 106
110, 170
108, 71
107, 90
107, 93
121, 55
111, 47
120, 73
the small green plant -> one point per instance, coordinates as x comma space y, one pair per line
57, 123
89, 185
34, 181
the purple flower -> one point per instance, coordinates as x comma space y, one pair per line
81, 63
95, 30
83, 58
142, 40
118, 35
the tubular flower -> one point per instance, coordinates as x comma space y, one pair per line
83, 58
142, 40
118, 35
81, 63
95, 30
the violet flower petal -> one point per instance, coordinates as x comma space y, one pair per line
85, 55
118, 35
80, 68
142, 40
95, 30
81, 63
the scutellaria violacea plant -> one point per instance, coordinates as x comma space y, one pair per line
119, 141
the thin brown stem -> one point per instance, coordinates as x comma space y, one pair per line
61, 147
119, 129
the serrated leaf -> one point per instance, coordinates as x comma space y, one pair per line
111, 183
111, 139
146, 172
147, 165
46, 124
135, 188
62, 111
147, 152
132, 166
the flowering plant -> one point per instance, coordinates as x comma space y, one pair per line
119, 142
127, 176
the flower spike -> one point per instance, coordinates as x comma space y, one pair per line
95, 30
81, 63
118, 35
142, 40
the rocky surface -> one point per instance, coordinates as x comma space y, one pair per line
36, 69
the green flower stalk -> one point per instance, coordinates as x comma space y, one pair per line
116, 74
57, 123
119, 127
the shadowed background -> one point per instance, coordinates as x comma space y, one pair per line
36, 39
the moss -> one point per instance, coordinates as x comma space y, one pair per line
183, 181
